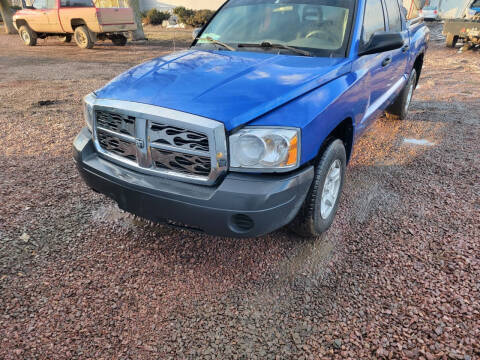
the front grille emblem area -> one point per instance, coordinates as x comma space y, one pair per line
140, 143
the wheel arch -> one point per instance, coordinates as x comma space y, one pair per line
76, 22
343, 131
21, 22
418, 65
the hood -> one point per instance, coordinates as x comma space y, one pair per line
231, 87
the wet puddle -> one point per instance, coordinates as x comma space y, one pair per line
420, 142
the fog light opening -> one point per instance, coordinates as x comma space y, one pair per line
241, 223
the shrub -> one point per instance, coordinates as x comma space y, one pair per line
195, 18
155, 17
200, 18
183, 14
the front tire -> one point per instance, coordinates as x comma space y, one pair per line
28, 36
83, 38
399, 109
320, 207
451, 40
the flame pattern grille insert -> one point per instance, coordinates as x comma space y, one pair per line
184, 163
115, 122
178, 137
117, 145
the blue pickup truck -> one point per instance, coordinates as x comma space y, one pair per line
251, 129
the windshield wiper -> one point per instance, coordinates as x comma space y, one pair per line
269, 45
216, 42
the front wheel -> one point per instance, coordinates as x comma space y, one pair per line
83, 37
28, 36
451, 40
399, 109
320, 207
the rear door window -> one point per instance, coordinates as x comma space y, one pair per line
373, 21
394, 19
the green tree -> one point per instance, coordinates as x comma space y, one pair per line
155, 17
200, 18
183, 14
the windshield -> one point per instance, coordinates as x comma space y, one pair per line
321, 27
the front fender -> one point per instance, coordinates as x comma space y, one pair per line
318, 113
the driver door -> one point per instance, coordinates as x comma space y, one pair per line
37, 19
52, 17
375, 67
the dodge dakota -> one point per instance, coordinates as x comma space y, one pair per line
251, 129
77, 18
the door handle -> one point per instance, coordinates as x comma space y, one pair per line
405, 48
387, 61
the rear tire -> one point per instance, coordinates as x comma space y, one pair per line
320, 207
65, 39
119, 40
451, 40
28, 36
83, 38
399, 109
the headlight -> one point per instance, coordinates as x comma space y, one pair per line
265, 149
88, 102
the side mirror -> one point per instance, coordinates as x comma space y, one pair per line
382, 42
196, 32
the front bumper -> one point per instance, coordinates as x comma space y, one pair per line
242, 205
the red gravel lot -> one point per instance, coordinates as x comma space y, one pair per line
397, 276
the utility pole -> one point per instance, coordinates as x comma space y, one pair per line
7, 14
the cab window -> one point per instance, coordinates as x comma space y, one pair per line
76, 3
40, 4
45, 4
373, 21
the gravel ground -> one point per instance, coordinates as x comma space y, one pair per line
397, 276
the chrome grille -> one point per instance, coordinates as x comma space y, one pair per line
160, 141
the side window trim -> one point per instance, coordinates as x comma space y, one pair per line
402, 15
386, 18
387, 15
